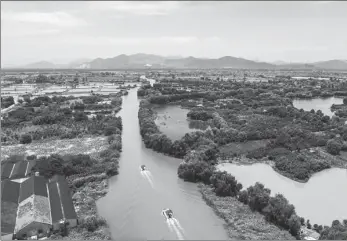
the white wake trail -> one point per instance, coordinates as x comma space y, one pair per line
177, 223
148, 176
172, 226
169, 224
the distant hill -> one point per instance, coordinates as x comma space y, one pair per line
332, 64
279, 62
49, 65
296, 66
140, 61
126, 61
40, 65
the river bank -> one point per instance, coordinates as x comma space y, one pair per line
241, 222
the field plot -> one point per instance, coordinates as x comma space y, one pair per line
62, 147
240, 148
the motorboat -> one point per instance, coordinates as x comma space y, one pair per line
167, 213
143, 167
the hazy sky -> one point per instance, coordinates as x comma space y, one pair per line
265, 31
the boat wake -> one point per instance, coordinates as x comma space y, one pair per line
175, 227
148, 176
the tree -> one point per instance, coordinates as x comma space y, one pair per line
294, 225
345, 101
25, 139
243, 197
259, 196
333, 147
225, 184
278, 210
41, 78
302, 221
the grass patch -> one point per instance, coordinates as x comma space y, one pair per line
240, 148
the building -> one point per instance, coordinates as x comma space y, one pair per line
9, 208
35, 206
63, 210
16, 170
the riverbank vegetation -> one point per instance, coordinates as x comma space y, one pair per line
255, 121
241, 222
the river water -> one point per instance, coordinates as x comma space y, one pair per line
321, 200
135, 199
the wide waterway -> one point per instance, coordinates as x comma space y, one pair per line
321, 200
135, 200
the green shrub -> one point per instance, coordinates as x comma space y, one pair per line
333, 147
25, 139
92, 223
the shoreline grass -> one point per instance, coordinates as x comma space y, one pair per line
241, 222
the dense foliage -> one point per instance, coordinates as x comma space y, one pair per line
6, 102
337, 231
44, 117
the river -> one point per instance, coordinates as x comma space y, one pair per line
135, 200
321, 200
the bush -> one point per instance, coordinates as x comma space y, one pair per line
25, 139
80, 116
333, 147
111, 171
105, 153
110, 130
92, 223
195, 172
243, 197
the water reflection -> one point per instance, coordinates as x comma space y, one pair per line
318, 104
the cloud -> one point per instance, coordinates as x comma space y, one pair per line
61, 19
136, 7
29, 32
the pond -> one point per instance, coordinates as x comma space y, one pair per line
318, 104
321, 200
172, 121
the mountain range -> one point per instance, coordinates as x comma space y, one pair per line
140, 61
